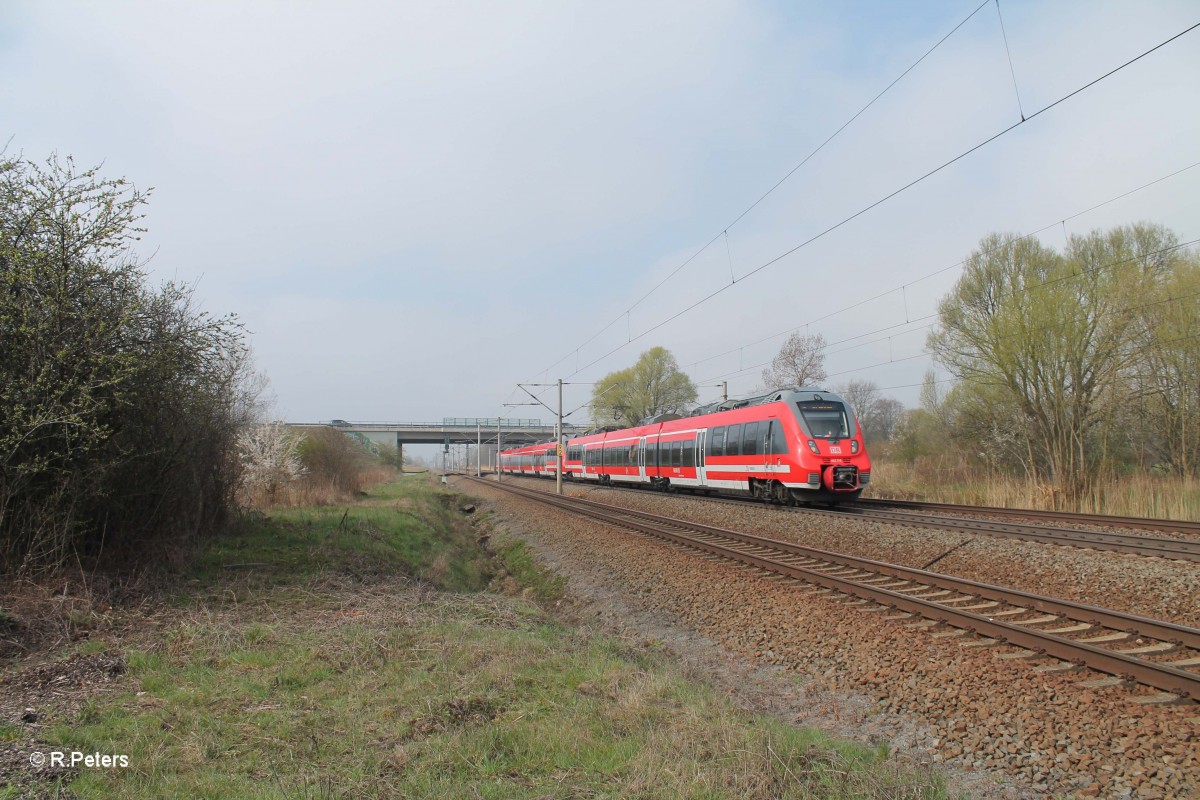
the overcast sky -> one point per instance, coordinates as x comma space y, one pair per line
415, 206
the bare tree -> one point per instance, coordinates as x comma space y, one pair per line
878, 415
800, 362
888, 413
1164, 370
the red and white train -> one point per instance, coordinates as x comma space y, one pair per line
789, 446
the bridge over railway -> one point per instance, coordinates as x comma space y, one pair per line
482, 431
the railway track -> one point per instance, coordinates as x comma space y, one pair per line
1162, 547
1136, 544
1128, 648
1138, 523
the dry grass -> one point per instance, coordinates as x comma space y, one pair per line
306, 677
1134, 496
321, 490
337, 470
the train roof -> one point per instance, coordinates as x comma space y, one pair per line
793, 394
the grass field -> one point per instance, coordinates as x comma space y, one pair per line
380, 650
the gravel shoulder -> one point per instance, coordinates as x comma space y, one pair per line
1003, 729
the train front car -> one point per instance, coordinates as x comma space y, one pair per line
832, 455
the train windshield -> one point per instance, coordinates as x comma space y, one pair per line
825, 420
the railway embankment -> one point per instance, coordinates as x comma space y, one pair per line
1037, 731
404, 645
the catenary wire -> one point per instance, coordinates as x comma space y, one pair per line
889, 196
935, 273
1023, 290
724, 232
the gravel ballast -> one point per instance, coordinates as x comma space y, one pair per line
861, 674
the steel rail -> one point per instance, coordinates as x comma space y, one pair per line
1159, 675
1180, 549
1135, 544
1140, 523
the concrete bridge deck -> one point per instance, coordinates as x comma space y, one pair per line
452, 430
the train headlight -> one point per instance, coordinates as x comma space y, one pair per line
812, 445
854, 447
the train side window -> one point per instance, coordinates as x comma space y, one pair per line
779, 445
689, 452
750, 439
733, 440
716, 441
676, 454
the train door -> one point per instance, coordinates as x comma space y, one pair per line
641, 459
770, 447
701, 441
